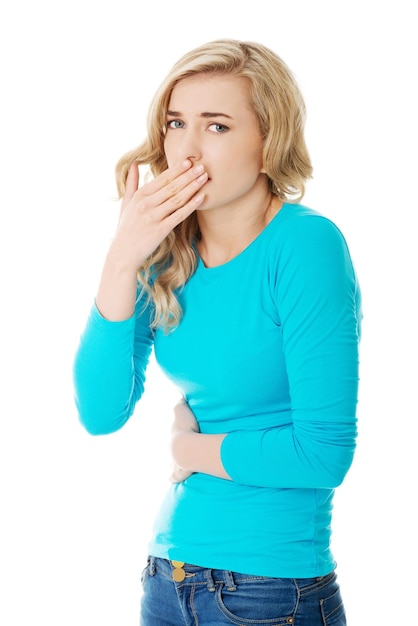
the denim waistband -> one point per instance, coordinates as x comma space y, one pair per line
184, 573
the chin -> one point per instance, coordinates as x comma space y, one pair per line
205, 204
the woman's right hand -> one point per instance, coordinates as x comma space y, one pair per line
148, 214
151, 212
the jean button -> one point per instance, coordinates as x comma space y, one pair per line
178, 574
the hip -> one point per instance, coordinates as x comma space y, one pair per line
199, 595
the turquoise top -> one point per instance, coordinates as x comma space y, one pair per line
267, 352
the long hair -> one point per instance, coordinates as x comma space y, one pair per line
279, 106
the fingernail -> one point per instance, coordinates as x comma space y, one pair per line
199, 198
202, 178
186, 163
198, 169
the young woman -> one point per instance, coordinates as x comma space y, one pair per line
252, 306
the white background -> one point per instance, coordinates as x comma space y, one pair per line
77, 78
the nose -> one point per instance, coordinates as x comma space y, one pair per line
189, 146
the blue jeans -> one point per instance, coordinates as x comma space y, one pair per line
216, 597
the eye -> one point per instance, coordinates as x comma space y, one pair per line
174, 124
218, 128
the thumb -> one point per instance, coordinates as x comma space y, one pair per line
131, 185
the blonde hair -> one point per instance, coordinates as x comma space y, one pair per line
280, 108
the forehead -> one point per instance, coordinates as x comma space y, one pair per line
211, 92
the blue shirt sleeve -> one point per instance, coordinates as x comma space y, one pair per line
109, 369
318, 302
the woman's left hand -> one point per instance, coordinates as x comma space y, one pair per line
184, 422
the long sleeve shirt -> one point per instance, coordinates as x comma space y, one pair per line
266, 352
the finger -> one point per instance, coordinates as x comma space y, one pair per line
131, 185
179, 215
180, 190
179, 406
167, 178
173, 189
178, 475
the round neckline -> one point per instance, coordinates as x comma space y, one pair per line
238, 256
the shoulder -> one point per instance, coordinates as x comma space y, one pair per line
308, 249
299, 220
298, 228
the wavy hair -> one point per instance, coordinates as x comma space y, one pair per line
280, 109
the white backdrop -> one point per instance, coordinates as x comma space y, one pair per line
77, 78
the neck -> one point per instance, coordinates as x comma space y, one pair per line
227, 232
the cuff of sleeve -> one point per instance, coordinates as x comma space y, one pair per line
104, 334
99, 322
235, 454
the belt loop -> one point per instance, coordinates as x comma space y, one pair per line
209, 580
151, 566
229, 581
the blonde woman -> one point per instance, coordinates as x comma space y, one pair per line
252, 306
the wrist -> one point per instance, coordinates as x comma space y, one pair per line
119, 263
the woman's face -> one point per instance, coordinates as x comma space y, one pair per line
211, 122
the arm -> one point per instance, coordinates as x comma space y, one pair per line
192, 451
111, 359
109, 369
148, 215
318, 303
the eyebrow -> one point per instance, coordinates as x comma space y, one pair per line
205, 114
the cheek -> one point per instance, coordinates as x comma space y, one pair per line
252, 162
166, 149
258, 159
249, 153
170, 161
